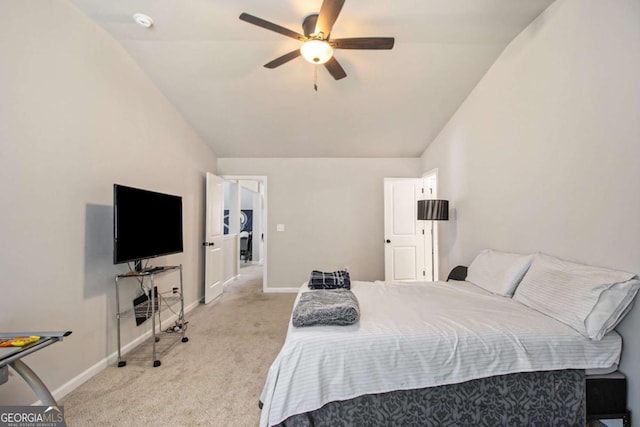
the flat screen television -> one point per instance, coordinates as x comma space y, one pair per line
146, 224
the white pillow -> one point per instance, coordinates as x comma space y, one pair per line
592, 300
498, 272
613, 304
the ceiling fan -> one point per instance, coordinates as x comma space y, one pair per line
317, 46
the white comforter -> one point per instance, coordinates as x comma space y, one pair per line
421, 335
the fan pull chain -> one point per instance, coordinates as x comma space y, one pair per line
315, 78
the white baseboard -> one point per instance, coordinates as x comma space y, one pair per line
280, 290
90, 372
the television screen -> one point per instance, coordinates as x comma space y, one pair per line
146, 224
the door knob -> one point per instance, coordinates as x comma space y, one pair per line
208, 244
388, 241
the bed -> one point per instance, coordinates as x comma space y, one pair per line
434, 353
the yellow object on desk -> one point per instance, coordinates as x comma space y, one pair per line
19, 341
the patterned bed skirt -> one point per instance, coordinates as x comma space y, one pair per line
545, 398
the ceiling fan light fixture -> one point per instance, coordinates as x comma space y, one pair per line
316, 51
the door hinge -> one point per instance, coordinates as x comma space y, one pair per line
423, 231
424, 273
422, 190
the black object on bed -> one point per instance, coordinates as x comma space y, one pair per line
459, 273
329, 280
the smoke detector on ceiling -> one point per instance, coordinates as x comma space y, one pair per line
143, 20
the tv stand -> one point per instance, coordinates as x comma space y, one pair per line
151, 270
157, 301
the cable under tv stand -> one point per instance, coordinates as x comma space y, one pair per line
156, 301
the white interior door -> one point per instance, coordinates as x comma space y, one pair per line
213, 258
404, 254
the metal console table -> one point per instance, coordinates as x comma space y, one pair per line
10, 356
157, 300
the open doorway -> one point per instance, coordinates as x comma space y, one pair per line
245, 219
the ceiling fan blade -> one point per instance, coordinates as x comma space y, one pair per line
335, 69
329, 12
283, 59
270, 26
364, 43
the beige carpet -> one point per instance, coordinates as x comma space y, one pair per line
215, 379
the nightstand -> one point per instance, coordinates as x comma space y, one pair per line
607, 398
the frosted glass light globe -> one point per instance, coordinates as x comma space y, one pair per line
316, 51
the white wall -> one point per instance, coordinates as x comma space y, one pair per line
246, 198
543, 155
76, 116
332, 210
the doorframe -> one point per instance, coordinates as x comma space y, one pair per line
433, 173
262, 179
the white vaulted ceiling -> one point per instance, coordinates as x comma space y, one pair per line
392, 103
